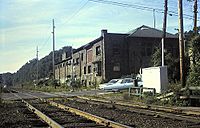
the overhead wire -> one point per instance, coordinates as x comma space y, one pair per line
141, 7
75, 13
45, 42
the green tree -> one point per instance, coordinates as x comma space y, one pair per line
194, 75
170, 61
156, 57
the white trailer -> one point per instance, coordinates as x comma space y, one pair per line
155, 77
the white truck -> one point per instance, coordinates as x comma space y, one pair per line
155, 77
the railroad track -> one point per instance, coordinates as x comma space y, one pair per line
164, 112
132, 116
150, 107
57, 115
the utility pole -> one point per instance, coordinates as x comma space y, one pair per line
37, 63
181, 42
164, 31
195, 16
72, 63
154, 19
53, 56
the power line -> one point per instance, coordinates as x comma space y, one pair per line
45, 42
75, 13
140, 7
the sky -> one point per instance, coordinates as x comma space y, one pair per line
26, 24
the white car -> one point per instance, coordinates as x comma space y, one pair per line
113, 81
123, 84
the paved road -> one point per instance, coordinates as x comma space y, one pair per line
82, 93
28, 94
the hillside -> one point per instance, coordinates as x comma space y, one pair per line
28, 71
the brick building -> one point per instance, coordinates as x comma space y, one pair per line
113, 55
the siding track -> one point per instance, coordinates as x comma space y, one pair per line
59, 116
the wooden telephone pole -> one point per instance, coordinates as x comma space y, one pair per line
195, 16
37, 64
154, 19
53, 56
164, 31
181, 43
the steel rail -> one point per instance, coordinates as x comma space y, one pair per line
158, 111
158, 108
97, 119
41, 115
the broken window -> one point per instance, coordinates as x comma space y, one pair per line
81, 56
98, 70
69, 62
98, 50
77, 61
89, 69
84, 70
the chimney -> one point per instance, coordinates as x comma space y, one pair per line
103, 32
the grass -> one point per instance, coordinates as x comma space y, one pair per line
119, 96
51, 88
45, 88
146, 99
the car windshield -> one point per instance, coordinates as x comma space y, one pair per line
113, 81
127, 81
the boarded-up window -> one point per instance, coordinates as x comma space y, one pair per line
89, 56
116, 67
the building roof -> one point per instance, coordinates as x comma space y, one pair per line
88, 45
93, 42
145, 31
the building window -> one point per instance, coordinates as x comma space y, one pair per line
98, 68
89, 69
116, 67
89, 56
81, 56
98, 50
69, 62
142, 52
77, 61
149, 51
116, 51
84, 70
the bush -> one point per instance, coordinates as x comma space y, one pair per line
175, 87
126, 96
149, 98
